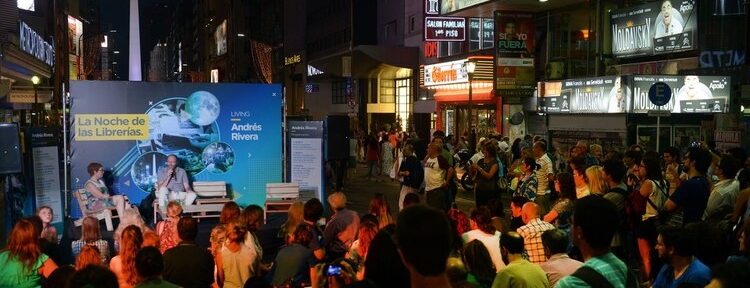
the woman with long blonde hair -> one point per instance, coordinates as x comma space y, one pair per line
595, 176
294, 217
23, 263
123, 265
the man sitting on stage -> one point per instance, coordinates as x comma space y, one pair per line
173, 184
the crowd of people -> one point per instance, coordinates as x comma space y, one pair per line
587, 217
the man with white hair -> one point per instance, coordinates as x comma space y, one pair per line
341, 230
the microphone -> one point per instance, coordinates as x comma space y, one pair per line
172, 175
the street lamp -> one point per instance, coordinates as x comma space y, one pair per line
470, 67
35, 81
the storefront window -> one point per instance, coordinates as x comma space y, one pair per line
387, 91
403, 102
446, 49
569, 43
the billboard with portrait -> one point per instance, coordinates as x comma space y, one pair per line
514, 48
659, 27
690, 93
610, 94
219, 132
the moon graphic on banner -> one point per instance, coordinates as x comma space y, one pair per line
202, 108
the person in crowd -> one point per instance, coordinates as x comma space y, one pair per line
412, 174
450, 175
173, 184
558, 263
725, 192
482, 230
598, 152
52, 250
577, 166
123, 265
94, 276
386, 157
561, 211
614, 173
358, 251
149, 264
532, 232
383, 265
61, 277
294, 217
730, 275
437, 171
379, 208
410, 199
519, 272
516, 205
479, 151
460, 224
167, 228
23, 263
515, 149
49, 231
653, 188
373, 157
91, 236
590, 160
592, 233
479, 264
342, 227
88, 255
131, 218
544, 174
743, 247
675, 248
424, 243
596, 182
672, 167
151, 239
230, 212
515, 171
252, 219
690, 199
295, 261
236, 262
632, 158
313, 211
528, 185
486, 173
96, 194
187, 264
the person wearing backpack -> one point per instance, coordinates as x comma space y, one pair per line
614, 172
654, 191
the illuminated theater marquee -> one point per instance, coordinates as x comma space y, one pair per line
35, 45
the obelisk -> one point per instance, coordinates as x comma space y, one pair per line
134, 49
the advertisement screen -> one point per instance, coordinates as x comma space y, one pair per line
220, 36
219, 132
448, 6
514, 32
655, 28
690, 94
609, 94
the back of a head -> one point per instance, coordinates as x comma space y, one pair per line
149, 263
615, 169
732, 274
313, 210
597, 217
483, 218
187, 228
252, 217
478, 260
230, 212
701, 157
519, 201
94, 276
424, 239
383, 264
60, 278
411, 199
556, 241
530, 210
513, 242
729, 166
303, 234
337, 201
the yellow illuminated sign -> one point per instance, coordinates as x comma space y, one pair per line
107, 127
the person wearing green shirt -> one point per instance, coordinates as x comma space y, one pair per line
22, 263
519, 272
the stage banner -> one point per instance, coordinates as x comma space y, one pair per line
46, 164
306, 156
609, 94
219, 132
690, 93
655, 28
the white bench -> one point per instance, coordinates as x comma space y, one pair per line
212, 195
279, 197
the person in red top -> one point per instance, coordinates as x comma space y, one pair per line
167, 228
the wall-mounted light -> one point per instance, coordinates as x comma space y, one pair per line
585, 34
35, 80
240, 35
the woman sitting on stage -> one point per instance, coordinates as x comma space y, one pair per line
98, 197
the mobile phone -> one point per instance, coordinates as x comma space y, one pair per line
333, 270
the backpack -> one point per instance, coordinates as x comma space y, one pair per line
635, 206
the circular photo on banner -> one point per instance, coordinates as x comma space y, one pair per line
144, 170
218, 157
183, 127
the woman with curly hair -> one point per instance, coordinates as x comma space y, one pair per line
229, 213
380, 209
23, 263
123, 265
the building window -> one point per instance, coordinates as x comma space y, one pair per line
389, 30
403, 102
338, 92
446, 49
387, 91
481, 33
412, 23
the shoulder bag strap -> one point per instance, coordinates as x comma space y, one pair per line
592, 277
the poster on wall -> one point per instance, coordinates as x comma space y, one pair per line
448, 6
610, 94
306, 156
654, 28
563, 140
219, 132
514, 48
690, 93
75, 48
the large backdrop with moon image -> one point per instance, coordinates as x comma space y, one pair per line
219, 132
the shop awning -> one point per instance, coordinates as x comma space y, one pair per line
480, 94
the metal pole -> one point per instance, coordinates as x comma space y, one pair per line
65, 149
658, 131
471, 116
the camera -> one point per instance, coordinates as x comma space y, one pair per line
695, 144
333, 270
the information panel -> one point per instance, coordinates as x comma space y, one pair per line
306, 155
